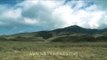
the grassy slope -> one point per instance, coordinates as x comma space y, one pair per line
11, 50
55, 45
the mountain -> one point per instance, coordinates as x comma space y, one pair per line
67, 34
77, 29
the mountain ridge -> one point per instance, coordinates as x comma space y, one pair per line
71, 33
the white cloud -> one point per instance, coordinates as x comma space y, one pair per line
12, 13
30, 21
88, 18
51, 14
44, 10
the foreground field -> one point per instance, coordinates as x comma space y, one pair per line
11, 50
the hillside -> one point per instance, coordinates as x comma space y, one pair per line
67, 34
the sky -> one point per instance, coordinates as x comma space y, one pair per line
18, 16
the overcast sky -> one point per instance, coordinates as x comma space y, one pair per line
18, 16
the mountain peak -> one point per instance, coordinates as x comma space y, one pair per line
74, 27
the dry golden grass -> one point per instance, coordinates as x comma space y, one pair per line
52, 51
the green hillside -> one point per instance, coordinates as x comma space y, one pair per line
70, 43
68, 34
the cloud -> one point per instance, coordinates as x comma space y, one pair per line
37, 15
101, 4
30, 21
44, 13
26, 18
88, 17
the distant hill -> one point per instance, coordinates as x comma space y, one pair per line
67, 34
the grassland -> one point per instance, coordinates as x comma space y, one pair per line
12, 50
